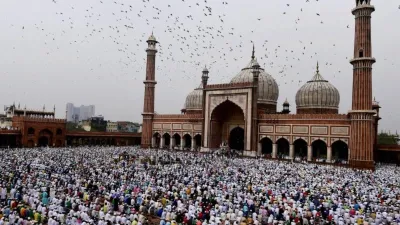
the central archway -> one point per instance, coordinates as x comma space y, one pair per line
226, 119
45, 138
43, 141
236, 139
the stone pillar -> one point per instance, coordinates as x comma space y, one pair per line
153, 142
309, 153
291, 151
183, 143
329, 154
193, 143
274, 150
162, 142
172, 143
259, 149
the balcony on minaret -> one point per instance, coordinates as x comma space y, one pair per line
363, 2
152, 41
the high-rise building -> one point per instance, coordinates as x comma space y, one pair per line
76, 114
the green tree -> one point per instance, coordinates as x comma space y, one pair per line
71, 126
387, 139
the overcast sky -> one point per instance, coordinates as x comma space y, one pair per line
93, 52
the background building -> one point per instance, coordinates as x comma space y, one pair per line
76, 114
112, 126
125, 126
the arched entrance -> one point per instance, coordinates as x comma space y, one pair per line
197, 143
300, 148
43, 141
177, 140
236, 138
340, 151
282, 148
45, 138
225, 126
167, 140
157, 140
188, 141
319, 150
266, 146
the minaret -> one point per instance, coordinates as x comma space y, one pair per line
254, 111
362, 115
204, 81
286, 107
149, 88
204, 77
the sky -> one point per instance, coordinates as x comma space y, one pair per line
92, 52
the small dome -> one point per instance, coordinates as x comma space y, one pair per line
268, 90
194, 101
317, 93
152, 38
286, 102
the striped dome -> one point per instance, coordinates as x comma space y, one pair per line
317, 93
268, 91
194, 101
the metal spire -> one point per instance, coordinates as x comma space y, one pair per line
317, 67
252, 55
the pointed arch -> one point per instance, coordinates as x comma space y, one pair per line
266, 146
319, 150
221, 101
188, 141
197, 141
300, 148
340, 151
167, 139
157, 140
177, 139
283, 147
222, 117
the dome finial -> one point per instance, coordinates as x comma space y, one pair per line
252, 55
317, 67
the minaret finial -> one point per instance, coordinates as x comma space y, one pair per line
252, 55
317, 67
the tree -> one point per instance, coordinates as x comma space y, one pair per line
71, 126
387, 139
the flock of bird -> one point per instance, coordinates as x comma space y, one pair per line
193, 33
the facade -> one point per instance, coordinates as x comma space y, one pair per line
39, 128
243, 114
112, 126
76, 114
126, 126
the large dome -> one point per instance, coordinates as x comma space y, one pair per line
268, 91
318, 93
194, 101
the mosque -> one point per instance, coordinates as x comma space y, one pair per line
243, 114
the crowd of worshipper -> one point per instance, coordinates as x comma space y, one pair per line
128, 185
